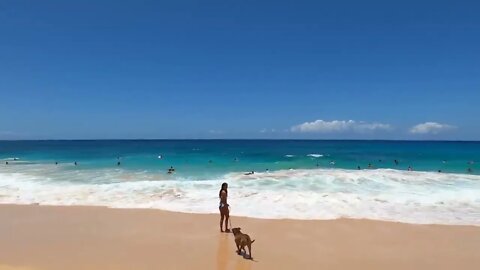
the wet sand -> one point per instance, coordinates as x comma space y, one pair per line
54, 237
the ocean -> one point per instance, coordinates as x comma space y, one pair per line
294, 179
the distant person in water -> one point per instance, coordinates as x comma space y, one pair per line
470, 170
250, 173
358, 168
56, 162
75, 163
6, 162
118, 163
223, 207
370, 165
410, 168
171, 170
396, 162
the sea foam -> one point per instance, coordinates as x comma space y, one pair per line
382, 194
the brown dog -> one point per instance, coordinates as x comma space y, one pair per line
242, 240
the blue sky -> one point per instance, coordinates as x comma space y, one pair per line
240, 69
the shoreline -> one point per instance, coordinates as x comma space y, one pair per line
94, 237
238, 216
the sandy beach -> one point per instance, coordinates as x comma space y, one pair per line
54, 237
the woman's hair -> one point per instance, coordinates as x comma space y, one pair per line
224, 187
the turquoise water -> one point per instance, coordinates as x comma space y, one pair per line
204, 158
293, 178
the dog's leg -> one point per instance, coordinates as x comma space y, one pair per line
238, 247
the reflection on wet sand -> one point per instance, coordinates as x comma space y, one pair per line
226, 255
223, 252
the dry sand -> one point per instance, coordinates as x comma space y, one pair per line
43, 237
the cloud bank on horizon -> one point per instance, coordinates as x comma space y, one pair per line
322, 126
430, 128
344, 126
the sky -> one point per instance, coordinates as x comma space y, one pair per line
406, 70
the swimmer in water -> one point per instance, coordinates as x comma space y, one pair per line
369, 165
410, 168
396, 162
358, 168
118, 163
6, 162
470, 170
75, 163
439, 171
171, 170
56, 163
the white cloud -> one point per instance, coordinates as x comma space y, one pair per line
430, 128
266, 130
321, 126
216, 131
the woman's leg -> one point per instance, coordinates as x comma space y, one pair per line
222, 216
227, 217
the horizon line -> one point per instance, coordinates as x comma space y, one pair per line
242, 139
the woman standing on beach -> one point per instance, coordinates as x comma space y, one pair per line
223, 207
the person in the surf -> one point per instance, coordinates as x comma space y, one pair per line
223, 207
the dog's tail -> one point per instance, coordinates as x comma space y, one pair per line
252, 241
